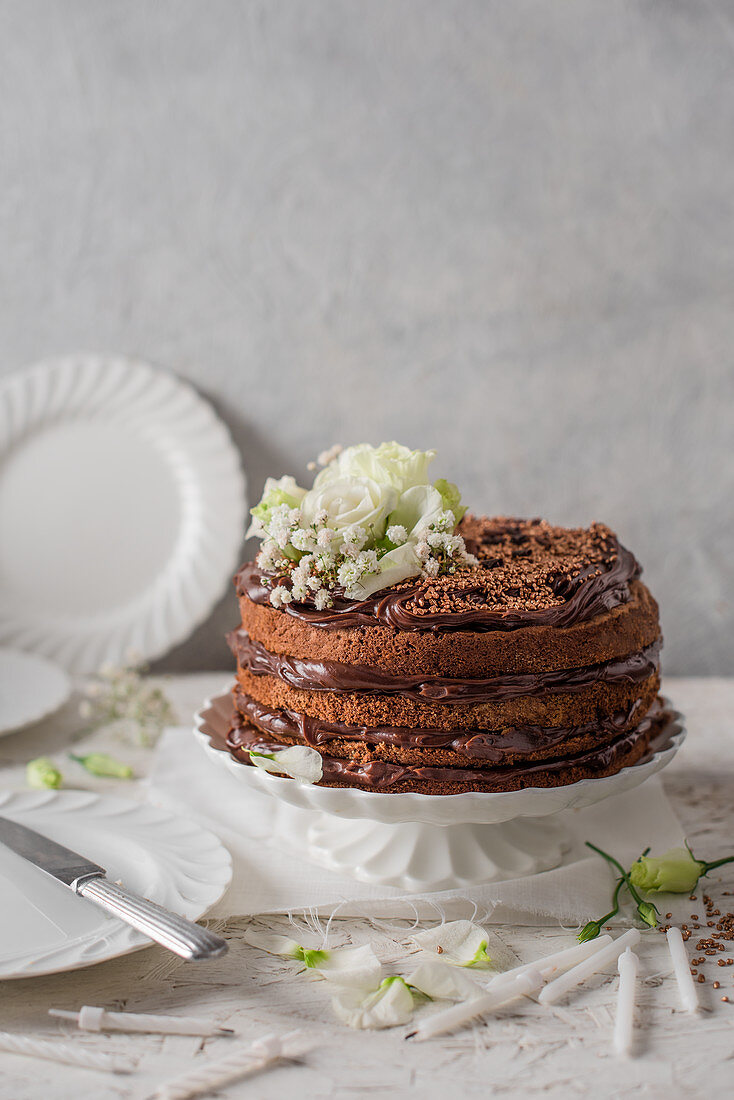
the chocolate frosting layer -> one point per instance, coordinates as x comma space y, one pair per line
591, 592
492, 746
314, 675
381, 776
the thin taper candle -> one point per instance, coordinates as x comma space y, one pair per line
521, 986
627, 964
682, 967
559, 960
92, 1018
609, 954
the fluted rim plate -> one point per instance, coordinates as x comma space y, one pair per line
122, 507
473, 807
45, 928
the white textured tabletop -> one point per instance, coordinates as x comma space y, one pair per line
565, 1051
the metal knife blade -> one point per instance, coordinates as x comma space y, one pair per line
66, 866
87, 879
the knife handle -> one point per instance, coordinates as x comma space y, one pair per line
179, 935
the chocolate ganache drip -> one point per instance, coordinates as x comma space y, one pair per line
313, 675
653, 731
490, 746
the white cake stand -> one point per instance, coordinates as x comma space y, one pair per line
422, 842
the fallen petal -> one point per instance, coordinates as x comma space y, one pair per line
356, 967
389, 1006
444, 983
463, 943
274, 945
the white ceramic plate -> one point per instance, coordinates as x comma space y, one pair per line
122, 510
31, 688
45, 928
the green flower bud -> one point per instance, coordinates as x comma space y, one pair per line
589, 932
648, 913
42, 774
98, 763
677, 872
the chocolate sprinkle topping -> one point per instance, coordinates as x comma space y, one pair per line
530, 573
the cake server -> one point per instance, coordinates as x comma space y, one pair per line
87, 879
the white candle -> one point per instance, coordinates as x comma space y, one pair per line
682, 968
92, 1018
559, 960
609, 954
60, 1052
627, 964
241, 1063
521, 986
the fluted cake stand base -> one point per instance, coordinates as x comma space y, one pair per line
423, 842
417, 857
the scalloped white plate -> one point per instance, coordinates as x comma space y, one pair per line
45, 928
122, 510
31, 688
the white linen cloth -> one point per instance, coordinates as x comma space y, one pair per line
272, 879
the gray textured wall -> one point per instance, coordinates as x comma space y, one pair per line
503, 229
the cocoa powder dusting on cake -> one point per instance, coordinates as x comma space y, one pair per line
524, 565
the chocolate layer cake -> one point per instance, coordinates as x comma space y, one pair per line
538, 665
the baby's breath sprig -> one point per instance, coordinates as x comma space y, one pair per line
440, 549
316, 561
121, 694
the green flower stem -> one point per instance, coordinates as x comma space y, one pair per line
625, 875
615, 903
716, 863
591, 930
645, 909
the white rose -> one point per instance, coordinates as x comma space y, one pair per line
395, 566
350, 501
388, 464
417, 508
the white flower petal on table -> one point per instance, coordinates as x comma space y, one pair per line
298, 761
274, 945
444, 983
354, 967
464, 943
388, 1006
